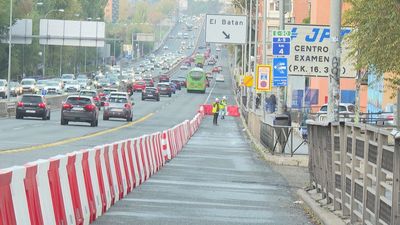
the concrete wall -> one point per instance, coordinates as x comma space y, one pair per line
254, 125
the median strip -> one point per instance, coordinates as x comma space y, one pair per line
75, 139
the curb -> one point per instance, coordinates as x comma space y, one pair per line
326, 217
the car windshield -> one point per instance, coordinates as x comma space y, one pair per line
140, 82
88, 93
52, 83
73, 82
163, 85
82, 76
67, 76
41, 82
78, 101
342, 108
108, 91
196, 75
2, 83
12, 84
117, 100
27, 82
104, 81
31, 99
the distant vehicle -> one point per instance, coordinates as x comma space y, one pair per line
184, 67
138, 86
53, 87
218, 49
173, 87
346, 112
119, 94
196, 80
104, 83
177, 83
93, 94
82, 76
15, 88
220, 78
67, 77
212, 61
149, 82
185, 35
165, 89
32, 105
29, 86
151, 93
118, 107
163, 78
80, 109
165, 47
199, 60
165, 66
40, 84
388, 115
215, 70
72, 86
83, 82
3, 88
182, 81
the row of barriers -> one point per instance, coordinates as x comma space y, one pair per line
77, 188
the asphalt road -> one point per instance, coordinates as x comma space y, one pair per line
23, 141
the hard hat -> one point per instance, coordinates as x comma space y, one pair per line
224, 97
217, 99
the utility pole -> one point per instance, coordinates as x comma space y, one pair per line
249, 53
9, 51
281, 90
264, 51
334, 56
255, 57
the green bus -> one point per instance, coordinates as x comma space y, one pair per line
196, 80
199, 60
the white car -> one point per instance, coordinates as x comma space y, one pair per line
29, 86
53, 87
119, 94
67, 77
184, 67
219, 77
72, 86
3, 88
346, 111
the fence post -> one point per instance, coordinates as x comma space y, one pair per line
396, 179
378, 178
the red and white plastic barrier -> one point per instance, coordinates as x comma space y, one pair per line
77, 188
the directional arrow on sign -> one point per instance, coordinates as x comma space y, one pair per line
281, 67
227, 36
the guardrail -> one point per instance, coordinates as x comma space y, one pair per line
80, 186
7, 109
357, 169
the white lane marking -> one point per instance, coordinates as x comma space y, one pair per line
18, 128
224, 185
209, 95
167, 201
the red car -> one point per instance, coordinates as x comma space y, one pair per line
138, 86
149, 82
216, 70
164, 78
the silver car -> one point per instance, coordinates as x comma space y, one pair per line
118, 107
80, 109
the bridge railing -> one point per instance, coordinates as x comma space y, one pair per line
357, 169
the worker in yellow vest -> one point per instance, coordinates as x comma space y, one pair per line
215, 111
222, 107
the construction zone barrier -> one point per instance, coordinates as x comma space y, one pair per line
77, 188
232, 110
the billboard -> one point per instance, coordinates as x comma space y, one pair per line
146, 37
226, 29
310, 50
72, 33
21, 32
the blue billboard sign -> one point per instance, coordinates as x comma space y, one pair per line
280, 72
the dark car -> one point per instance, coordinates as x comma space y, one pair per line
93, 94
118, 107
164, 89
151, 93
32, 106
80, 109
177, 83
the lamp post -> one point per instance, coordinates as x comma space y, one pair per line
47, 39
9, 53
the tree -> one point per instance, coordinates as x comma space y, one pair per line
375, 34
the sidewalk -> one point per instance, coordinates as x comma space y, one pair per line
217, 179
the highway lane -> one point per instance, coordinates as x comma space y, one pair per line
54, 139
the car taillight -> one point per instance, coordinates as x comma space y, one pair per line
390, 117
106, 104
127, 106
67, 106
42, 105
90, 107
20, 104
96, 98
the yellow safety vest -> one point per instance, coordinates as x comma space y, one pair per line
215, 108
222, 104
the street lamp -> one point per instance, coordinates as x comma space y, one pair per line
44, 45
9, 53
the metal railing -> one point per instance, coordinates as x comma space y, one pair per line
357, 169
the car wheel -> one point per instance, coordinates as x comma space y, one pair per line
17, 116
106, 118
97, 122
93, 123
64, 122
158, 99
170, 95
142, 99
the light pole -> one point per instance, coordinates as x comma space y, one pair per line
9, 52
47, 39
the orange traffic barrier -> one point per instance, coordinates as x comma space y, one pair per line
207, 109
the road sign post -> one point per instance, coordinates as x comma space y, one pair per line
263, 78
227, 29
280, 72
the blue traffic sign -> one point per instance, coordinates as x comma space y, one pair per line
280, 72
281, 46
